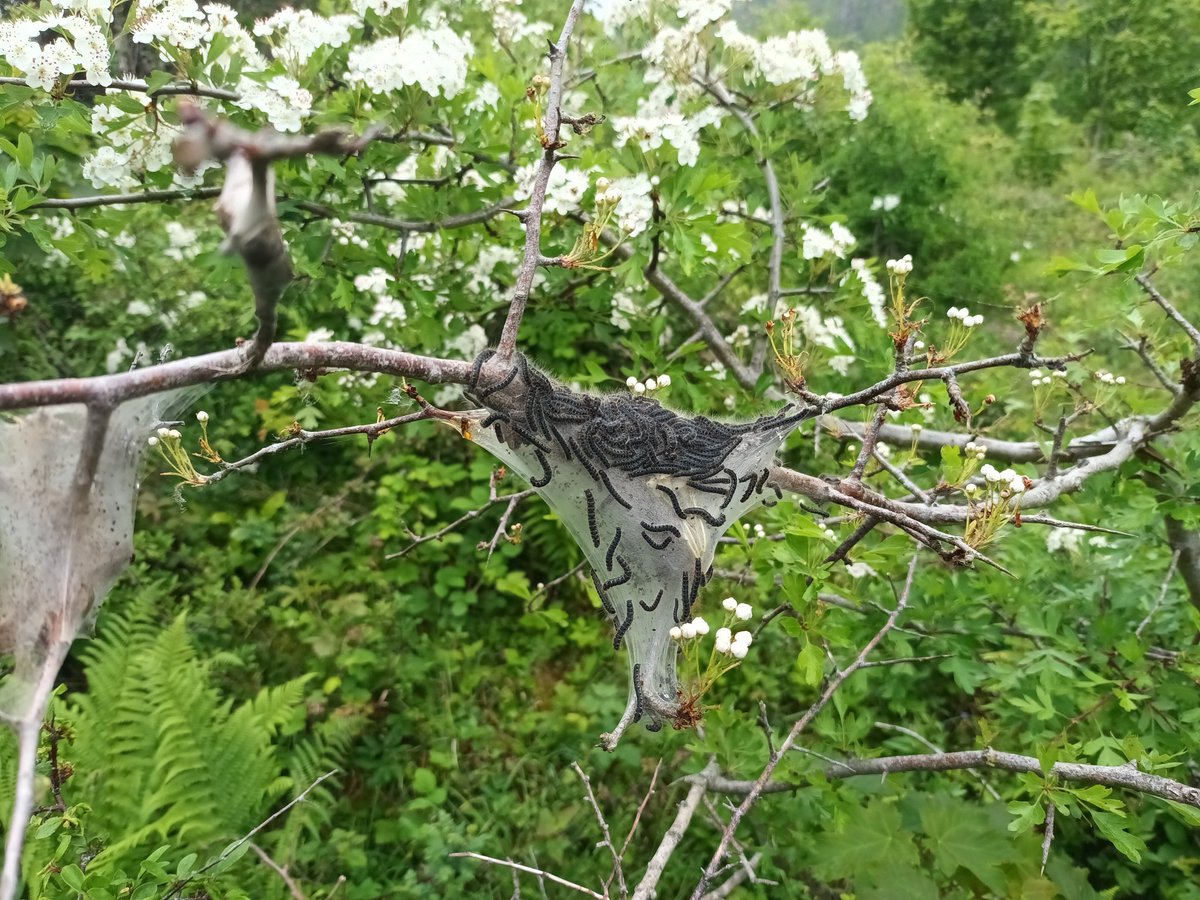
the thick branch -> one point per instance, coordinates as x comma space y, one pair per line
183, 88
311, 359
1127, 776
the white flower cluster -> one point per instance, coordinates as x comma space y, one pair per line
727, 643
799, 56
743, 612
699, 13
886, 203
346, 233
470, 343
616, 13
1106, 377
564, 190
688, 630
735, 645
388, 311
433, 57
971, 448
660, 119
635, 209
1009, 479
901, 266
872, 291
167, 434
483, 270
964, 315
381, 7
511, 26
818, 243
759, 534
1037, 379
132, 149
78, 43
295, 35
175, 23
1067, 539
281, 98
649, 386
183, 243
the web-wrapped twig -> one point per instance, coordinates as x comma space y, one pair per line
645, 492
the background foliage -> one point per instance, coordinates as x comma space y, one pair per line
269, 630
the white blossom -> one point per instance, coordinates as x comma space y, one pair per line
433, 58
872, 291
564, 190
281, 98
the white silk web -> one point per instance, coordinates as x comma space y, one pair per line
67, 490
645, 492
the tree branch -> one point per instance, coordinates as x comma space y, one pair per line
797, 729
532, 216
1127, 776
309, 359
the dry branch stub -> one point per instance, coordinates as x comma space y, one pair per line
645, 492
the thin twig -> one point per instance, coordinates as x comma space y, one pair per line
1126, 776
233, 848
797, 729
641, 807
670, 840
418, 540
532, 215
1162, 595
540, 873
617, 869
281, 871
1172, 313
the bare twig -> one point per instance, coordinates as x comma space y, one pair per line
281, 871
1173, 314
1142, 348
224, 365
125, 84
797, 729
666, 848
176, 888
1048, 837
532, 216
540, 873
300, 437
617, 869
1162, 595
917, 736
734, 881
641, 808
511, 499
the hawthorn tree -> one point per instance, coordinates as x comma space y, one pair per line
424, 196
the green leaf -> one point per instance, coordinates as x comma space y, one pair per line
47, 828
24, 154
810, 664
873, 831
1114, 828
961, 835
186, 866
73, 876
